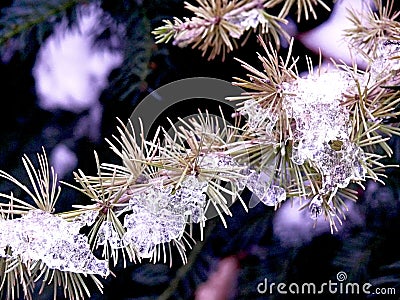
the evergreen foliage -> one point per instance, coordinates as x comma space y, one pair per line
133, 172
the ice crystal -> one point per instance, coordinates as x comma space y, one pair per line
107, 234
227, 167
146, 229
339, 167
87, 218
190, 199
246, 20
258, 116
223, 165
216, 161
314, 103
387, 59
323, 128
56, 242
159, 215
260, 185
185, 37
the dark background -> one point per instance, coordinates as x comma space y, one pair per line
367, 251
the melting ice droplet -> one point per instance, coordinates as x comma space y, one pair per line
316, 207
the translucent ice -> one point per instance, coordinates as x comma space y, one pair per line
87, 218
159, 216
56, 242
387, 60
145, 229
323, 128
107, 234
260, 185
257, 116
247, 19
225, 166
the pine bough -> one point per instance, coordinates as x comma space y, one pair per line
314, 138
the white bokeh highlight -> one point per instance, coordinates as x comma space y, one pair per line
329, 36
70, 74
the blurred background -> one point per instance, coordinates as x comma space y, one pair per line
65, 82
